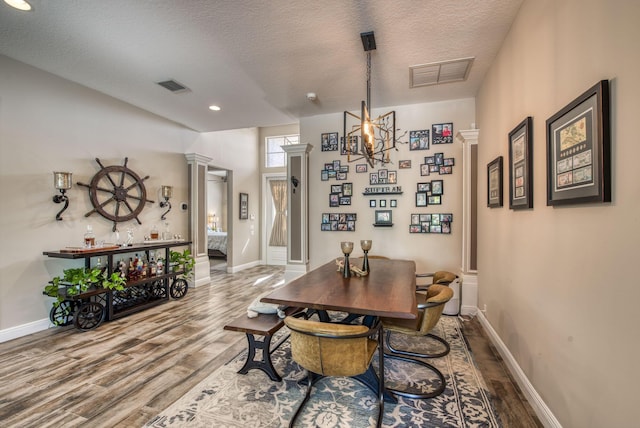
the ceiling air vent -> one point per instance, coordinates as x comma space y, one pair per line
439, 72
173, 86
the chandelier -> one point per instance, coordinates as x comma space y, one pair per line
378, 135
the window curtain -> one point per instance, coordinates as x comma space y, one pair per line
279, 228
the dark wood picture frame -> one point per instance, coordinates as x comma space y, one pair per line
244, 206
494, 183
521, 165
579, 150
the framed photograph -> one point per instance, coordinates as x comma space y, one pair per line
449, 162
349, 149
345, 200
439, 158
445, 170
415, 218
393, 203
415, 228
324, 175
382, 174
430, 160
419, 140
494, 183
383, 217
336, 188
520, 166
434, 200
344, 168
244, 206
424, 187
372, 203
434, 168
578, 150
347, 189
329, 141
392, 177
361, 167
325, 227
437, 187
442, 133
341, 175
336, 165
383, 203
425, 169
334, 200
404, 164
373, 178
421, 199
328, 166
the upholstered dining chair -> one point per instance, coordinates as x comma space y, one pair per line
331, 349
430, 306
442, 277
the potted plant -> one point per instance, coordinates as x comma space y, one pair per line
182, 261
78, 280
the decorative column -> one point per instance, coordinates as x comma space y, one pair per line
469, 140
297, 210
197, 172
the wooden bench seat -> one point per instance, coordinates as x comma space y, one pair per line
264, 325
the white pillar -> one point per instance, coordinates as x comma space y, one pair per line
297, 210
469, 274
197, 172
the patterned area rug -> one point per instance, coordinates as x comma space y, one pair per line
229, 399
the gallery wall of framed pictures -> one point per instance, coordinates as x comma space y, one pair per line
381, 185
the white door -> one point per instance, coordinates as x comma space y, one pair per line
274, 254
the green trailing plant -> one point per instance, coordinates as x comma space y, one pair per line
182, 261
78, 280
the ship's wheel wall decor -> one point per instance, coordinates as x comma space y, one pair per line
117, 193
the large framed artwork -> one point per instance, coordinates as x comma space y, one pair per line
578, 150
494, 183
521, 166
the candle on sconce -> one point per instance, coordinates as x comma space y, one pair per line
167, 192
62, 180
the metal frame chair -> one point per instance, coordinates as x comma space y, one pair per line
330, 349
430, 306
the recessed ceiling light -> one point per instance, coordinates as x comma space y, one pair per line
19, 4
214, 108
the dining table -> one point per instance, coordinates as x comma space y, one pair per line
388, 290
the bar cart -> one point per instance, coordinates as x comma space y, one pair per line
88, 309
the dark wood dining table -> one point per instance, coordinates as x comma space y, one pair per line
387, 291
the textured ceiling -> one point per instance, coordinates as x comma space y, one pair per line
256, 59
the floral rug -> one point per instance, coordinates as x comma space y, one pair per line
229, 399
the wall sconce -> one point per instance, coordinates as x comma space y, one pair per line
62, 182
167, 192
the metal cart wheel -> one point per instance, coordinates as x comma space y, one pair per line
158, 289
89, 315
178, 288
62, 314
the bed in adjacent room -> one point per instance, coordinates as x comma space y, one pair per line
217, 244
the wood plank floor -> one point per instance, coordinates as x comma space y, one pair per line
126, 371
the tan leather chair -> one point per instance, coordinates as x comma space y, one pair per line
329, 349
442, 277
430, 306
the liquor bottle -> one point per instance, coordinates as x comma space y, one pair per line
145, 267
160, 267
153, 267
89, 237
131, 271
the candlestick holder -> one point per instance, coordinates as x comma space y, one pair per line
347, 248
365, 244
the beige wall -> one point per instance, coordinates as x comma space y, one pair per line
49, 124
560, 283
431, 252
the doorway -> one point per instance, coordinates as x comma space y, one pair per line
274, 237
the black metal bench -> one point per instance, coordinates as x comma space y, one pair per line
264, 325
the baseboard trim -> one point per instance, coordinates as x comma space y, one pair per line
542, 410
238, 268
24, 329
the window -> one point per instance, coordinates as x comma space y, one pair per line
275, 156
